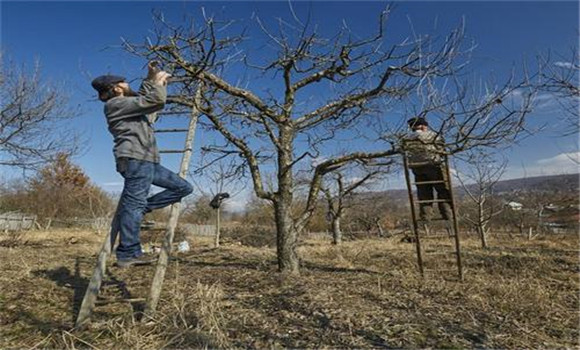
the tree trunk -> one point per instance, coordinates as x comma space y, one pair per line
286, 232
381, 232
336, 232
287, 236
481, 226
482, 235
217, 228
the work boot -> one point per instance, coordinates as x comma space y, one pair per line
142, 260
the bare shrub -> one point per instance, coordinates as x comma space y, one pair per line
60, 190
12, 239
251, 235
33, 116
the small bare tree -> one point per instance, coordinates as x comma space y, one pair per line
337, 192
304, 90
225, 181
478, 182
32, 118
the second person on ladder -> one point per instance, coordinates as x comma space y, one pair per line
425, 149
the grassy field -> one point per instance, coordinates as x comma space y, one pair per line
364, 294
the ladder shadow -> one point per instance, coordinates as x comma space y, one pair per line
63, 277
137, 307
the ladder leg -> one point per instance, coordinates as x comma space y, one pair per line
163, 260
413, 215
455, 224
92, 291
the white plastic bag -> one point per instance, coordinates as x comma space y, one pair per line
183, 247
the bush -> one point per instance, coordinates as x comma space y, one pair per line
252, 235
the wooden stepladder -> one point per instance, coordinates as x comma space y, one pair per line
453, 230
92, 292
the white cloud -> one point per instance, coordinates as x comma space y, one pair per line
567, 65
563, 163
541, 100
567, 160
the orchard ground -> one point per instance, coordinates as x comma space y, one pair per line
367, 293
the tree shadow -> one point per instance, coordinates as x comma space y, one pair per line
330, 268
255, 265
45, 327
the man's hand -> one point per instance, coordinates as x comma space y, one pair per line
155, 73
161, 78
153, 69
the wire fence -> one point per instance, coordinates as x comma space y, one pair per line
16, 222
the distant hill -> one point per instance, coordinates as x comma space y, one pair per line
541, 183
554, 183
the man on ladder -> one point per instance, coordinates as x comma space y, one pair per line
424, 149
130, 117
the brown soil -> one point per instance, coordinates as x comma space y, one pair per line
364, 294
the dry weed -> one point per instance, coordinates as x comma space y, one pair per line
362, 294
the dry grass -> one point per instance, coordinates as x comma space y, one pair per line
517, 294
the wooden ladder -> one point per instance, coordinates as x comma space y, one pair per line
455, 228
92, 292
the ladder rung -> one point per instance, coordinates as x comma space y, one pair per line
174, 150
430, 182
121, 300
109, 285
171, 130
410, 165
435, 201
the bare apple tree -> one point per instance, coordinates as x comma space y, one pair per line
291, 95
478, 180
219, 180
337, 191
32, 116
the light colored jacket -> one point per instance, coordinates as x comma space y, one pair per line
130, 120
424, 147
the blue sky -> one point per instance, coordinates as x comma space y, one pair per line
76, 41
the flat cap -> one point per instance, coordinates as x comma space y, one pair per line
104, 82
413, 122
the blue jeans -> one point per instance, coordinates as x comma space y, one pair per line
139, 175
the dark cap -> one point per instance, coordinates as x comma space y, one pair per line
104, 82
414, 122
